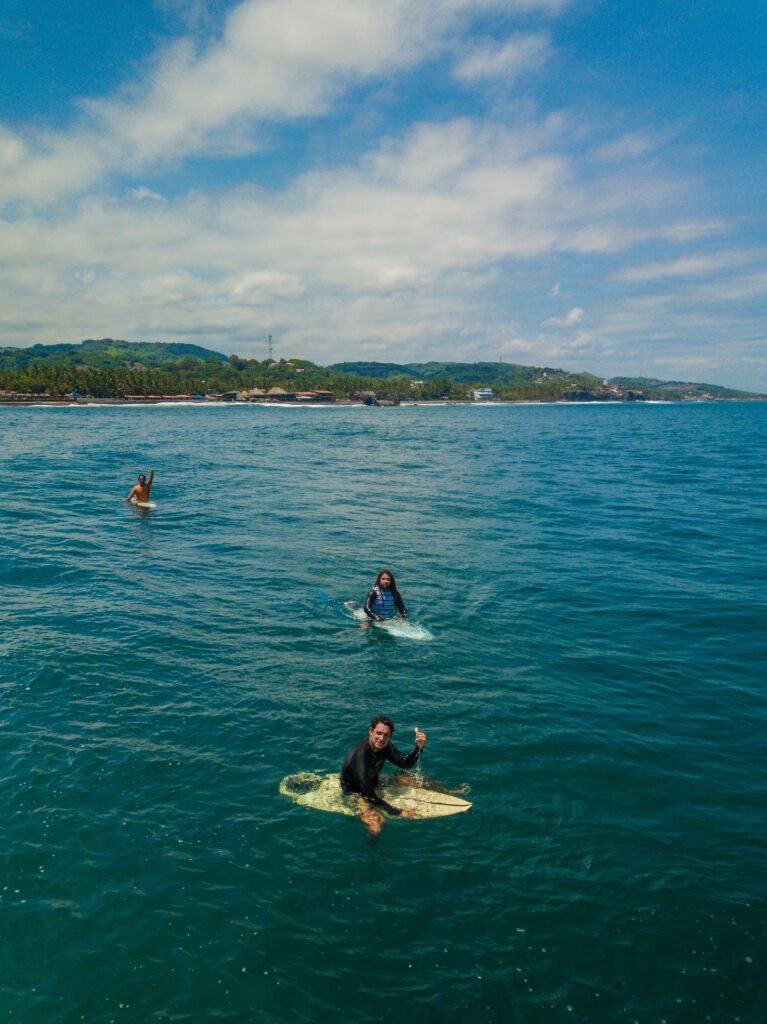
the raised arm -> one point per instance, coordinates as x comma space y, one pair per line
406, 760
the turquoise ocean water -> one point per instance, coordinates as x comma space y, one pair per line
593, 577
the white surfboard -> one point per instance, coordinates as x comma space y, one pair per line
143, 504
324, 793
394, 627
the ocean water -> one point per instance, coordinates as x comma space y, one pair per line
593, 579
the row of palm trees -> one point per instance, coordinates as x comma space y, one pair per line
60, 381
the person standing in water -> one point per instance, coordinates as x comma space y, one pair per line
141, 491
362, 766
384, 600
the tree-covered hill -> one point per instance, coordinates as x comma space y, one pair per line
107, 368
489, 374
680, 388
517, 376
105, 353
381, 371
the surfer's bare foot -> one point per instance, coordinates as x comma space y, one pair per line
410, 815
373, 821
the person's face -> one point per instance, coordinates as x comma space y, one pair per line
142, 479
380, 736
385, 581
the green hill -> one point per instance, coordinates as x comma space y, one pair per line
108, 367
515, 375
682, 389
105, 353
500, 374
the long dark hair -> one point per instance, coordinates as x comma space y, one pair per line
393, 587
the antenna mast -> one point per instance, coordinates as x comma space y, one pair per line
270, 346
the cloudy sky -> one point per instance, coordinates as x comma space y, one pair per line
577, 183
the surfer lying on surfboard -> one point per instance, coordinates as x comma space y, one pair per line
383, 600
140, 492
363, 764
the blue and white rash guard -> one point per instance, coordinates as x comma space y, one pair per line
382, 604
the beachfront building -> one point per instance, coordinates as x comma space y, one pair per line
481, 394
276, 394
158, 398
222, 396
366, 397
314, 396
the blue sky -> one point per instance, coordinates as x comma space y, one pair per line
576, 183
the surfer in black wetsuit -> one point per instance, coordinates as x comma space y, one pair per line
363, 764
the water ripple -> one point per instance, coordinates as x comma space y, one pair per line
593, 580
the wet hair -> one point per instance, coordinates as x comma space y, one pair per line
382, 720
392, 586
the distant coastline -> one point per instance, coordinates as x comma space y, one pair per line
41, 401
111, 372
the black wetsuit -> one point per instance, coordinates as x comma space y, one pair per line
362, 766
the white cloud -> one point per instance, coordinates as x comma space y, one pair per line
192, 14
734, 289
683, 232
520, 53
697, 265
630, 146
12, 150
570, 319
259, 287
142, 193
411, 244
579, 342
516, 347
431, 243
274, 61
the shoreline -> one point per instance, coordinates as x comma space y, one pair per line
55, 403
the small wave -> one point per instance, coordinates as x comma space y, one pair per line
403, 628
